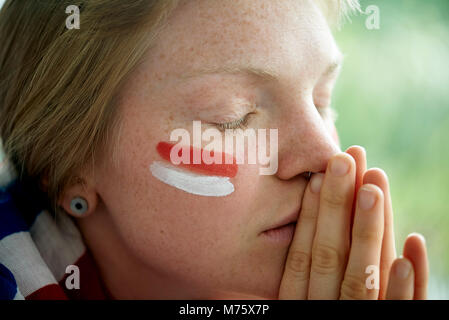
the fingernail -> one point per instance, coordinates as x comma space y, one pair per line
339, 167
402, 269
315, 184
367, 198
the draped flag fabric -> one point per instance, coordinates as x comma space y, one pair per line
39, 249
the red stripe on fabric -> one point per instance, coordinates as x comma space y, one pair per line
91, 284
49, 292
222, 170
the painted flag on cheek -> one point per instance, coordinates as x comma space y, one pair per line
204, 179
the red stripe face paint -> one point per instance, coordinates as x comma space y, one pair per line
222, 169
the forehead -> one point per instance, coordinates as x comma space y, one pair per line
289, 36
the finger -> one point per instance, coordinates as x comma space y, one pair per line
401, 282
359, 155
331, 241
295, 281
366, 245
415, 250
378, 177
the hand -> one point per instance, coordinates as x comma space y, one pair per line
346, 225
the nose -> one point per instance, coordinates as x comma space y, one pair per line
306, 142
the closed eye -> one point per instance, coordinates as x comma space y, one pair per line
237, 124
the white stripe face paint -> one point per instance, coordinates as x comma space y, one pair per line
202, 185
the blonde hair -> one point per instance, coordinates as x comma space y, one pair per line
59, 87
338, 12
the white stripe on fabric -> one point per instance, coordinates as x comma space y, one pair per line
18, 295
20, 255
59, 241
7, 173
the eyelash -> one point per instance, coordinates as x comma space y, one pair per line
325, 112
237, 124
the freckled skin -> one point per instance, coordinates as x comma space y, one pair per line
151, 240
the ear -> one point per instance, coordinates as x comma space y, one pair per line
80, 188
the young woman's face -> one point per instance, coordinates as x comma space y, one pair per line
213, 245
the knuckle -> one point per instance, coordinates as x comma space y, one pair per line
326, 259
309, 215
354, 288
367, 235
334, 200
299, 264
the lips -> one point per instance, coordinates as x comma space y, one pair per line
292, 218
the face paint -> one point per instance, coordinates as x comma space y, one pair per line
211, 186
203, 179
222, 170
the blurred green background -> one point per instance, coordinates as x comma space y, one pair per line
393, 99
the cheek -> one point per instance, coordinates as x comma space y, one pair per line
163, 221
190, 237
203, 218
170, 226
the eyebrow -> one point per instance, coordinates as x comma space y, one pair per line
266, 74
262, 73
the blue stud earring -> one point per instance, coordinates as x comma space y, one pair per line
79, 206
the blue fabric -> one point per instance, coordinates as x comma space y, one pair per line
8, 285
20, 203
11, 220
